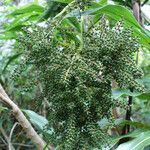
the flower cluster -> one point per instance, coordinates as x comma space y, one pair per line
78, 82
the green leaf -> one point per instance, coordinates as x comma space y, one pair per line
121, 122
63, 1
117, 12
134, 134
7, 35
135, 124
32, 7
102, 2
146, 81
138, 143
3, 108
21, 20
98, 4
116, 93
16, 28
144, 96
73, 22
37, 120
10, 60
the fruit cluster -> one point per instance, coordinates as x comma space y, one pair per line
77, 82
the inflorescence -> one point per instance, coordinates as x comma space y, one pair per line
77, 81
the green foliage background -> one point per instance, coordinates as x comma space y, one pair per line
66, 73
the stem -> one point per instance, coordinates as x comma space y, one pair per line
126, 129
10, 146
136, 6
11, 132
82, 30
64, 11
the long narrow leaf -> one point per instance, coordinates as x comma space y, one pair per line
116, 12
10, 60
32, 7
63, 1
138, 143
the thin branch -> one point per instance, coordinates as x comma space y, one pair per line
3, 140
23, 145
144, 2
126, 128
7, 139
32, 134
10, 135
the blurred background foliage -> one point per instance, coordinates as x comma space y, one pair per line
16, 14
